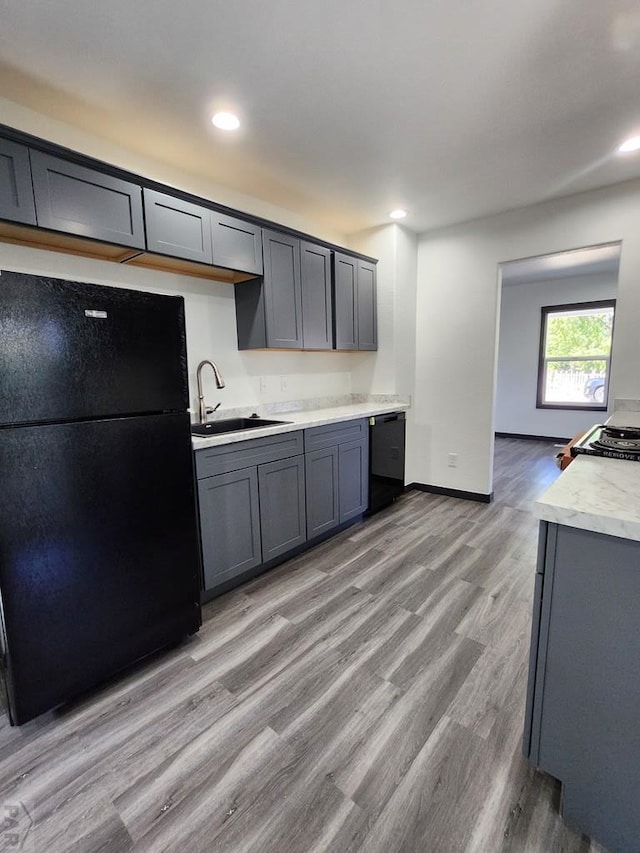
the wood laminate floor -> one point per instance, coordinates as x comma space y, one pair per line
366, 696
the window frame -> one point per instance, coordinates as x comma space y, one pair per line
572, 306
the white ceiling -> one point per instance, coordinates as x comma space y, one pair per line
350, 107
594, 259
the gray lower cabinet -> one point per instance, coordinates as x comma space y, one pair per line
337, 460
323, 502
230, 525
16, 192
352, 467
252, 504
282, 506
355, 303
584, 682
264, 497
177, 228
83, 201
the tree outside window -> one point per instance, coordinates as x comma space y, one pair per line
575, 355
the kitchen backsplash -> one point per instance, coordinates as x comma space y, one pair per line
308, 404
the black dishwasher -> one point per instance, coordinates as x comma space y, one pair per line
386, 459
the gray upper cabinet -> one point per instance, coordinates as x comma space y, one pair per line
282, 290
177, 228
291, 307
346, 301
317, 322
367, 307
16, 192
237, 245
83, 201
355, 303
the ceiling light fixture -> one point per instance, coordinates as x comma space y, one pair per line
629, 145
226, 121
398, 214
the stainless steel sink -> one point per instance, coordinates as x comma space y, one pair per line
232, 425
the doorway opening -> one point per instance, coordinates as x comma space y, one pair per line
556, 346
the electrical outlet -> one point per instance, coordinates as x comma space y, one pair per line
263, 384
452, 460
283, 383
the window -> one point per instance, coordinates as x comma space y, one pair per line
575, 355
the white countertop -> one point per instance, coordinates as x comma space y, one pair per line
300, 420
597, 493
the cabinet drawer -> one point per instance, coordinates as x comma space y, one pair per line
84, 201
242, 454
316, 438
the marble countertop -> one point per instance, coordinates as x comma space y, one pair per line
301, 420
597, 493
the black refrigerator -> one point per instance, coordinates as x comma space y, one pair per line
99, 553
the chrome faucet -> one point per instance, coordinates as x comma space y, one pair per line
205, 410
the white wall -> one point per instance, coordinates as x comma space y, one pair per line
517, 382
391, 369
457, 321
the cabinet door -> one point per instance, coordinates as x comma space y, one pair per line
282, 506
84, 201
282, 290
591, 683
237, 245
16, 192
317, 323
367, 313
176, 227
229, 525
353, 469
321, 471
346, 301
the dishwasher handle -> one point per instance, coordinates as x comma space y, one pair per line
389, 418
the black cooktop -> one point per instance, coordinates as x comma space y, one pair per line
616, 442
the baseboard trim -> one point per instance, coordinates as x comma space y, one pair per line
480, 497
554, 438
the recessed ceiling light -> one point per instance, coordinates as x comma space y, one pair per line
629, 145
398, 214
226, 121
